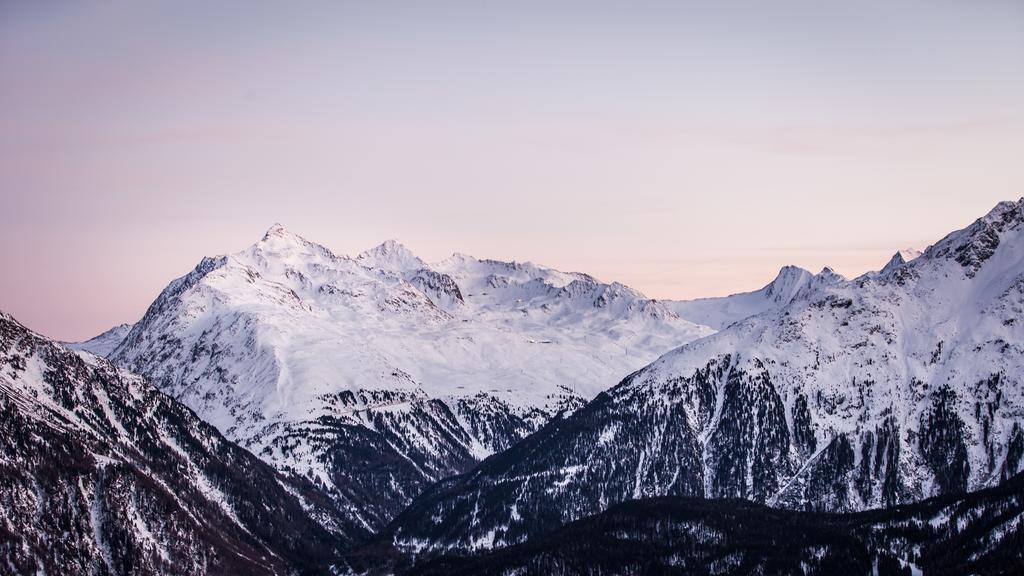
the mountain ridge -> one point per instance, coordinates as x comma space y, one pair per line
414, 371
719, 312
871, 392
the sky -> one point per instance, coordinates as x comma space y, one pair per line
686, 149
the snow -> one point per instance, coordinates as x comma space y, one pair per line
202, 483
96, 518
485, 541
870, 347
608, 434
940, 519
103, 344
142, 529
791, 283
104, 402
276, 333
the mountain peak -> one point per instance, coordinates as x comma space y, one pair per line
794, 280
1004, 207
790, 271
895, 262
391, 255
908, 254
390, 246
460, 257
278, 233
105, 343
787, 283
279, 242
975, 244
275, 228
828, 276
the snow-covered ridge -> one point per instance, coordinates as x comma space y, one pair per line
935, 338
791, 283
294, 350
859, 394
507, 306
103, 344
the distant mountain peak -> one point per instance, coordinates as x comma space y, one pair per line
900, 258
908, 254
459, 258
275, 230
391, 255
790, 272
787, 283
105, 343
894, 263
792, 281
828, 276
278, 234
279, 241
390, 246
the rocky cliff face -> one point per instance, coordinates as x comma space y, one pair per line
100, 473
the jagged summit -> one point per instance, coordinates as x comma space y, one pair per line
275, 230
458, 260
391, 255
789, 281
909, 254
999, 212
894, 264
279, 241
974, 245
794, 281
898, 260
434, 366
389, 246
826, 277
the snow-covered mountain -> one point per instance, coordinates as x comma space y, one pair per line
103, 344
100, 473
791, 283
900, 258
872, 392
377, 375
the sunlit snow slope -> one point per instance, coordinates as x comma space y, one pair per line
379, 374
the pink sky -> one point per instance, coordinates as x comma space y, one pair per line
685, 149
